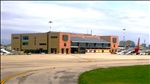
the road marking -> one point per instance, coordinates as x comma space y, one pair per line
22, 73
87, 60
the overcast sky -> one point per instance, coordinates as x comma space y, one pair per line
103, 17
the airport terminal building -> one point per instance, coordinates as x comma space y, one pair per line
63, 43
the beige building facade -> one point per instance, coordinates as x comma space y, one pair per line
63, 42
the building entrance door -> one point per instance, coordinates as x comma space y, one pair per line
74, 50
62, 51
41, 50
82, 50
67, 51
53, 50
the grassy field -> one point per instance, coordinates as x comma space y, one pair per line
117, 75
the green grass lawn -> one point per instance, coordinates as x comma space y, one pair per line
117, 75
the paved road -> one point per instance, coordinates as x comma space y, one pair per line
59, 69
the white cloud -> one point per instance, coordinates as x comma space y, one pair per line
68, 18
56, 11
135, 13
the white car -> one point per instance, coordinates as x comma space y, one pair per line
141, 53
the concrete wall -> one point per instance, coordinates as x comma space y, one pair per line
35, 40
114, 46
53, 42
15, 43
61, 42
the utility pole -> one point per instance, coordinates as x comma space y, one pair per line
50, 36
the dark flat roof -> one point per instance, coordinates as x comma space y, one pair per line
88, 40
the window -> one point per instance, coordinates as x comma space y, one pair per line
77, 44
15, 37
34, 40
24, 43
64, 44
74, 44
86, 44
95, 44
98, 44
105, 45
108, 45
90, 44
114, 46
82, 44
25, 38
114, 40
54, 36
42, 43
65, 37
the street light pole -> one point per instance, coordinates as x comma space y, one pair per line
50, 35
50, 24
124, 37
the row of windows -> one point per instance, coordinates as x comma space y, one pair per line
65, 37
90, 44
26, 43
27, 38
79, 44
23, 38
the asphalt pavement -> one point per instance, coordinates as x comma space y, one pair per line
59, 69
